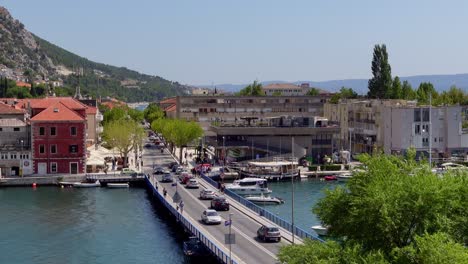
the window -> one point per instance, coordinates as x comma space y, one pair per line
441, 139
435, 139
1, 129
53, 149
73, 148
16, 129
426, 115
12, 156
417, 115
41, 149
417, 129
53, 131
42, 131
73, 131
53, 167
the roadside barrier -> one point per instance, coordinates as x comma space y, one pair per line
265, 213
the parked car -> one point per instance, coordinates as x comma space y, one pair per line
220, 203
127, 171
184, 177
167, 177
269, 233
158, 170
210, 216
207, 194
192, 184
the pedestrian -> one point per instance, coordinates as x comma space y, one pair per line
185, 155
181, 205
164, 191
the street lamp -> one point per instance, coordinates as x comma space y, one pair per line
230, 238
21, 158
292, 195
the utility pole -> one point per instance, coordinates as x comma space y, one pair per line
292, 196
430, 130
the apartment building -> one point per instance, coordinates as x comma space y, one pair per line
443, 130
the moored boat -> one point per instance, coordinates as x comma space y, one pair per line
66, 184
117, 185
345, 177
249, 186
264, 199
86, 184
330, 178
320, 230
271, 170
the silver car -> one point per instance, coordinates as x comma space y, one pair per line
210, 216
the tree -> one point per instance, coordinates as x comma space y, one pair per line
380, 85
135, 114
407, 91
313, 92
397, 90
124, 135
18, 92
153, 112
114, 114
424, 91
345, 93
254, 89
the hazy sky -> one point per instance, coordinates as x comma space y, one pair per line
216, 41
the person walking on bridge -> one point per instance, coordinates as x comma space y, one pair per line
181, 205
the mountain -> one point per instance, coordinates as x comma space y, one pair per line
440, 82
27, 57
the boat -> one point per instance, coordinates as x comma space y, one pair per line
264, 199
345, 177
86, 184
249, 186
271, 170
118, 185
330, 178
66, 184
320, 230
194, 248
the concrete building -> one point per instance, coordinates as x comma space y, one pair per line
313, 136
361, 122
409, 126
222, 108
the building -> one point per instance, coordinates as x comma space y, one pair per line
58, 133
15, 151
223, 108
409, 127
311, 136
361, 122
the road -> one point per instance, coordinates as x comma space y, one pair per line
247, 247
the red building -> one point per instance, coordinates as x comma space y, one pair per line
58, 135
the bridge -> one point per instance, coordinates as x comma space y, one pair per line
246, 218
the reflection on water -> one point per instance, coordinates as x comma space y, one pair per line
96, 225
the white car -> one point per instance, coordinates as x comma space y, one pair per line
210, 216
192, 184
207, 194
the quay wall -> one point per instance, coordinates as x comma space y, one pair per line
40, 180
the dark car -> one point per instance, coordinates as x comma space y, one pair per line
220, 203
175, 167
172, 164
148, 145
167, 177
158, 170
269, 233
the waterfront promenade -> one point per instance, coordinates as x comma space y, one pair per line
248, 249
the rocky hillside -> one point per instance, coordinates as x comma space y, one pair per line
26, 57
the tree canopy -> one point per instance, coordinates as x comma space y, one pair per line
397, 211
344, 93
254, 89
380, 86
153, 112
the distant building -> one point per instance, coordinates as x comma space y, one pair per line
284, 89
23, 84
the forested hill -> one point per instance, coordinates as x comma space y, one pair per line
27, 57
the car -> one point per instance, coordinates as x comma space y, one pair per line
192, 184
172, 164
220, 203
207, 194
179, 170
148, 145
269, 233
158, 170
127, 171
184, 177
174, 168
167, 177
210, 216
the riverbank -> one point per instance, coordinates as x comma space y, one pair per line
40, 180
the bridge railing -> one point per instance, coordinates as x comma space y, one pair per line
212, 246
265, 213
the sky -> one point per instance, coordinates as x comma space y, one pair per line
213, 42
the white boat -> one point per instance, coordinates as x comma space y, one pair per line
271, 170
65, 183
118, 185
264, 199
249, 186
345, 177
86, 184
320, 230
452, 166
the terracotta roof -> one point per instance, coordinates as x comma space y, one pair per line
281, 86
23, 84
43, 103
91, 110
171, 100
6, 109
57, 112
171, 108
11, 122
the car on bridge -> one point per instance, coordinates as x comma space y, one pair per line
167, 177
220, 203
268, 233
192, 184
158, 170
210, 216
207, 194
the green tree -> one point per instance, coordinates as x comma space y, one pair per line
313, 92
254, 89
277, 93
135, 114
344, 93
424, 91
116, 113
124, 135
380, 86
153, 112
18, 92
407, 91
397, 89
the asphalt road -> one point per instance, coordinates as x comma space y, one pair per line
247, 247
